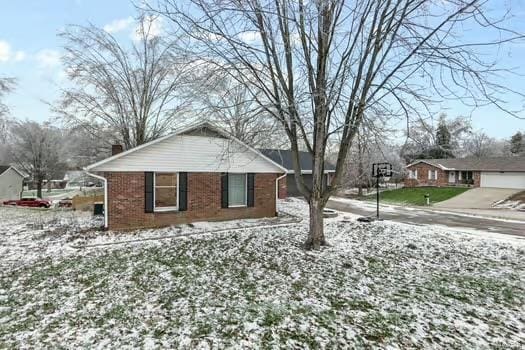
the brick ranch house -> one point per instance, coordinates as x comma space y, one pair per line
498, 172
200, 173
288, 185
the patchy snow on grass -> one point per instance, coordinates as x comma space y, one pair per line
377, 285
510, 204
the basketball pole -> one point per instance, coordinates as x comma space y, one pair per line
377, 195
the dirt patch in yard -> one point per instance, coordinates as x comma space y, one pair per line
518, 197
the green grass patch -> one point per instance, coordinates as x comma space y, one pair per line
416, 195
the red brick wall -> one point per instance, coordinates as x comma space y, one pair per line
283, 191
126, 201
422, 176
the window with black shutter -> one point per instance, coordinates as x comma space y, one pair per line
224, 190
183, 191
251, 190
148, 192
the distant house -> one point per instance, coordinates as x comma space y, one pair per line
289, 187
77, 179
11, 182
200, 173
499, 172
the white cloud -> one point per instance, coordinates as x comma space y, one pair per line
150, 28
19, 56
119, 25
5, 51
7, 55
48, 58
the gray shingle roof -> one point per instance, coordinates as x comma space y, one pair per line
284, 158
487, 164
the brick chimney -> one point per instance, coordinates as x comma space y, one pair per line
116, 149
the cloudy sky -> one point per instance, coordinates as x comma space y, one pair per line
30, 50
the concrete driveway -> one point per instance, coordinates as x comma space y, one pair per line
416, 216
477, 198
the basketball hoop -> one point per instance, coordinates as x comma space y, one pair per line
381, 170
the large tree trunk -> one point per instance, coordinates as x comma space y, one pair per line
316, 237
360, 170
39, 188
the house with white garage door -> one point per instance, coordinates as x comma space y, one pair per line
497, 172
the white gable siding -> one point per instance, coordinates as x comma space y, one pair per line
192, 154
11, 183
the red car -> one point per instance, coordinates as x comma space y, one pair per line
29, 202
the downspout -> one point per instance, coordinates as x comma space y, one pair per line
277, 191
105, 196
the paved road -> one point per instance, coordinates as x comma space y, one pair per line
427, 217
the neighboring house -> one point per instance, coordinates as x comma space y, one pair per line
199, 173
289, 187
500, 172
11, 182
78, 179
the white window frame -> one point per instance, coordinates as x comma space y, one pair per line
433, 175
161, 209
413, 174
245, 191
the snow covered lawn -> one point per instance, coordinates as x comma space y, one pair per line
379, 285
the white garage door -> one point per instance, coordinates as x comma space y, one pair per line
503, 180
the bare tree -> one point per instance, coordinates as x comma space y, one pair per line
133, 91
323, 65
224, 100
480, 145
436, 139
84, 145
373, 144
366, 149
36, 148
6, 85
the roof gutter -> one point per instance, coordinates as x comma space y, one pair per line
105, 196
277, 189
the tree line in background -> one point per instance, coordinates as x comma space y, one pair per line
328, 77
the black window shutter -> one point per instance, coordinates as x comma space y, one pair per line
148, 192
251, 190
224, 190
183, 191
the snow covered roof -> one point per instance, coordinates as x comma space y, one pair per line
478, 164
